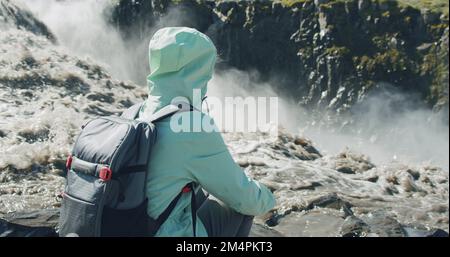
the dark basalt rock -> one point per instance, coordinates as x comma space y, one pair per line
384, 226
354, 227
31, 136
423, 232
323, 53
299, 148
332, 201
43, 223
40, 223
15, 16
306, 186
352, 163
259, 230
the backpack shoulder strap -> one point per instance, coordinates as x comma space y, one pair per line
164, 112
189, 188
169, 110
132, 112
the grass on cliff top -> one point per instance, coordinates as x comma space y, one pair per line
289, 3
434, 5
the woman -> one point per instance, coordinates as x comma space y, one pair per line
181, 62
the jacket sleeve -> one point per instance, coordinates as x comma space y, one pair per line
213, 167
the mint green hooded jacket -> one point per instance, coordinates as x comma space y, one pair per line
181, 60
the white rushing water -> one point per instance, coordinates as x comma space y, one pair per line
376, 129
409, 180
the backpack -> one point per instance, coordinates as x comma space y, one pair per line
105, 189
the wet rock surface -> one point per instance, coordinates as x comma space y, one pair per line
14, 15
354, 227
351, 163
369, 201
331, 201
40, 223
311, 223
44, 223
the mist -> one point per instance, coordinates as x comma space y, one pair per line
382, 129
81, 28
388, 126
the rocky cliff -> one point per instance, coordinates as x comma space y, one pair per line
13, 15
328, 53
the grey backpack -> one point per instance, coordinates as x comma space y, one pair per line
104, 193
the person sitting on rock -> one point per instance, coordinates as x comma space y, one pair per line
181, 61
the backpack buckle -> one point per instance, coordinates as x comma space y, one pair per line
105, 173
69, 162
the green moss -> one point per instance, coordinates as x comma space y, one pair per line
407, 20
381, 42
332, 4
305, 51
337, 51
438, 28
441, 6
433, 5
438, 88
381, 64
392, 59
290, 3
429, 64
434, 66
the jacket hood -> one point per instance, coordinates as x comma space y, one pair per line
181, 60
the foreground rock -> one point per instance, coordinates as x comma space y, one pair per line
41, 223
44, 223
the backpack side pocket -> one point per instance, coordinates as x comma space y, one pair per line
82, 205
